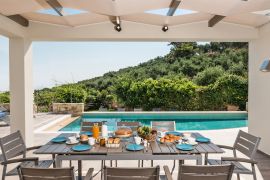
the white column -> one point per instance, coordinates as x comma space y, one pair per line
259, 89
21, 90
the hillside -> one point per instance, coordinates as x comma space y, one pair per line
190, 77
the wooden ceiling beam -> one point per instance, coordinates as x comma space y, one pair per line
19, 19
57, 7
173, 7
214, 20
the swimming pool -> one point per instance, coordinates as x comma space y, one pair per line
183, 120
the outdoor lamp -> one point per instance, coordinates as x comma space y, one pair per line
265, 67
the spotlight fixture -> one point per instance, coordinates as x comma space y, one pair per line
265, 67
165, 28
117, 27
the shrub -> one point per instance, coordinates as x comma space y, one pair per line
4, 97
69, 94
209, 76
234, 89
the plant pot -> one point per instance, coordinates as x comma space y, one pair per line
231, 107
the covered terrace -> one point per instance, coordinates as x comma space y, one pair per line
27, 21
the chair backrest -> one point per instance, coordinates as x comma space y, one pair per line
247, 144
12, 145
46, 173
163, 125
223, 172
87, 126
132, 125
112, 173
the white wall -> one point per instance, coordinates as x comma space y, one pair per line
259, 89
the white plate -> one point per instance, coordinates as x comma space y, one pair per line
70, 143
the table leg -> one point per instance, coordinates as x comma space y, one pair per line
58, 162
54, 163
199, 160
79, 169
206, 159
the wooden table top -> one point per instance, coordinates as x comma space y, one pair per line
155, 148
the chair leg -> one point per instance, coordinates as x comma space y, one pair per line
173, 167
238, 176
152, 163
116, 163
4, 172
254, 172
111, 162
102, 168
70, 163
139, 164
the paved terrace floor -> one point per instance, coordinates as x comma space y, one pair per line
225, 137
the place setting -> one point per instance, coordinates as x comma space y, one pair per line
182, 141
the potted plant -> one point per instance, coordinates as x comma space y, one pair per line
147, 133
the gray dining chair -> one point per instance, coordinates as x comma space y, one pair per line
12, 147
163, 126
49, 174
133, 126
115, 173
245, 143
87, 126
188, 172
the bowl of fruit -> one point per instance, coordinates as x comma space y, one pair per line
147, 133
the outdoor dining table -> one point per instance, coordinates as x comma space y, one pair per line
155, 151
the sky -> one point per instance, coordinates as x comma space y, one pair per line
66, 62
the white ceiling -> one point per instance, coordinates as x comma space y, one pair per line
236, 11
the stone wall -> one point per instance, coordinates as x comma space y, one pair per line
7, 107
75, 109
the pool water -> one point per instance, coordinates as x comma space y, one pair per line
183, 121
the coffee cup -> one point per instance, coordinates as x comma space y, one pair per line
138, 140
192, 141
91, 141
187, 135
72, 139
161, 134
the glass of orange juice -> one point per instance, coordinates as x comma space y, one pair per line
95, 131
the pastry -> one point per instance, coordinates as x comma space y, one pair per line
110, 140
123, 132
84, 137
116, 141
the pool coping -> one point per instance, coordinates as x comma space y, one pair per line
165, 112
